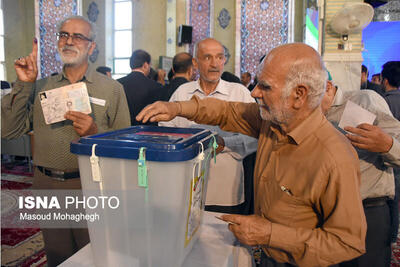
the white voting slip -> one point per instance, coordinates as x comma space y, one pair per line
216, 247
56, 102
353, 115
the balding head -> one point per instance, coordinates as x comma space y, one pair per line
295, 54
182, 62
299, 64
206, 43
291, 84
209, 60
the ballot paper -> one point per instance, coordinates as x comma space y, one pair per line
353, 115
56, 102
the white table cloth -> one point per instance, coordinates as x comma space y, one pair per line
216, 247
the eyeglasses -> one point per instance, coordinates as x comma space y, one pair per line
76, 37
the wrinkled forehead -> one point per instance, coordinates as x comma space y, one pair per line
272, 68
265, 64
211, 47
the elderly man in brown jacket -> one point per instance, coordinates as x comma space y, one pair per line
308, 208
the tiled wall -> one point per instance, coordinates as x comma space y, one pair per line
51, 13
199, 17
264, 25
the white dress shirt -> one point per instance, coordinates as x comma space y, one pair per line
377, 179
226, 178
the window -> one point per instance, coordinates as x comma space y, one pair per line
2, 59
122, 37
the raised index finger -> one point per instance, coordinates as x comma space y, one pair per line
34, 47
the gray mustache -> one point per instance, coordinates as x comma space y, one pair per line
71, 48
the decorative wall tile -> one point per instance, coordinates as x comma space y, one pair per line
93, 12
264, 25
94, 55
227, 55
199, 18
51, 13
224, 18
264, 5
57, 3
171, 33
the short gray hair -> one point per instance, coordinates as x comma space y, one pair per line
313, 76
92, 33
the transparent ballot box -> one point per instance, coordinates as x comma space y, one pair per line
152, 182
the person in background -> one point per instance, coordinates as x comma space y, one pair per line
255, 81
182, 69
391, 85
21, 112
245, 79
226, 188
161, 76
366, 84
157, 75
170, 75
378, 150
230, 77
139, 89
306, 214
5, 88
104, 70
152, 74
376, 78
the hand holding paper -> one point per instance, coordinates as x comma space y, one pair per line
369, 137
228, 222
250, 230
353, 115
56, 102
83, 124
358, 121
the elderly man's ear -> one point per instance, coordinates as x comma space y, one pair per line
300, 96
329, 96
330, 89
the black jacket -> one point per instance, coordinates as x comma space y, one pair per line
140, 91
372, 86
172, 86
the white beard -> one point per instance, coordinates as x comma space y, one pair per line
71, 59
281, 116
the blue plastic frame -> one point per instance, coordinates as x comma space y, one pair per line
124, 144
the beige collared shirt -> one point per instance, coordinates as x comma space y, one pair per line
377, 178
306, 183
225, 185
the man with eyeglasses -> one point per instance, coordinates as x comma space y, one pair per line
56, 167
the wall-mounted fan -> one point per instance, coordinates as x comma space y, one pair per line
352, 18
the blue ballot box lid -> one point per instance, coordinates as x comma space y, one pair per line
162, 143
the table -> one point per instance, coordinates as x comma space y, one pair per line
216, 247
